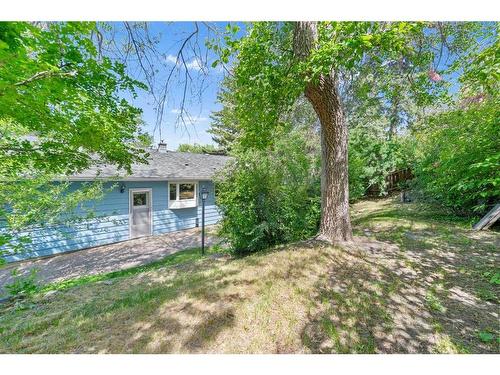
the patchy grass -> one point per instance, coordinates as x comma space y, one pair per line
433, 302
445, 345
409, 283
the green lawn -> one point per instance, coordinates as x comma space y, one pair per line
415, 280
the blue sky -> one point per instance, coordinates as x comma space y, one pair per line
201, 96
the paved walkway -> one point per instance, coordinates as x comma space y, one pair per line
107, 258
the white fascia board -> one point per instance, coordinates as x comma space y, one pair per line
118, 178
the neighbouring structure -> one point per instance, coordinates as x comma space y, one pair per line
159, 197
489, 219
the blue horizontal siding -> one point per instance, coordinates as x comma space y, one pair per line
110, 221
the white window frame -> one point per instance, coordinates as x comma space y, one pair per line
131, 192
182, 203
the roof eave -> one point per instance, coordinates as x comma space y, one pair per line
120, 178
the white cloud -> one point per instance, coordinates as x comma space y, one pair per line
195, 120
198, 119
191, 119
171, 59
194, 64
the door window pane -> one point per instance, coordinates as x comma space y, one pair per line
173, 192
140, 199
186, 191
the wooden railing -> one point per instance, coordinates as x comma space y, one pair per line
396, 177
393, 180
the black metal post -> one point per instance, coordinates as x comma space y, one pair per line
202, 226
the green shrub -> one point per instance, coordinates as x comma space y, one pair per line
22, 286
459, 157
271, 196
372, 157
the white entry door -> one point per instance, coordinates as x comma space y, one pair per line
140, 213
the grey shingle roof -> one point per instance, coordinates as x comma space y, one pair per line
163, 166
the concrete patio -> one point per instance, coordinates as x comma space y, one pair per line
108, 258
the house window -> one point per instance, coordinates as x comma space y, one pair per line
186, 191
173, 192
139, 199
182, 195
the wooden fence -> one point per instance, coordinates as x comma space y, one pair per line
393, 180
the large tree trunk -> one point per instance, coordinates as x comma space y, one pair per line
324, 96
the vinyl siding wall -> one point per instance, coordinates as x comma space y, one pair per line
111, 221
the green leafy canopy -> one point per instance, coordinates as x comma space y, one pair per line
62, 110
268, 77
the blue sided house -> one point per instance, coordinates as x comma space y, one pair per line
159, 197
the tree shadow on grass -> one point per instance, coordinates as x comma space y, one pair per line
413, 292
210, 304
360, 308
401, 290
132, 314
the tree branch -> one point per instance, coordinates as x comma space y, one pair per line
45, 74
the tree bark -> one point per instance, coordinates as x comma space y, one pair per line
335, 225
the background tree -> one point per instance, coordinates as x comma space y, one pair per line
226, 130
459, 148
224, 123
200, 149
